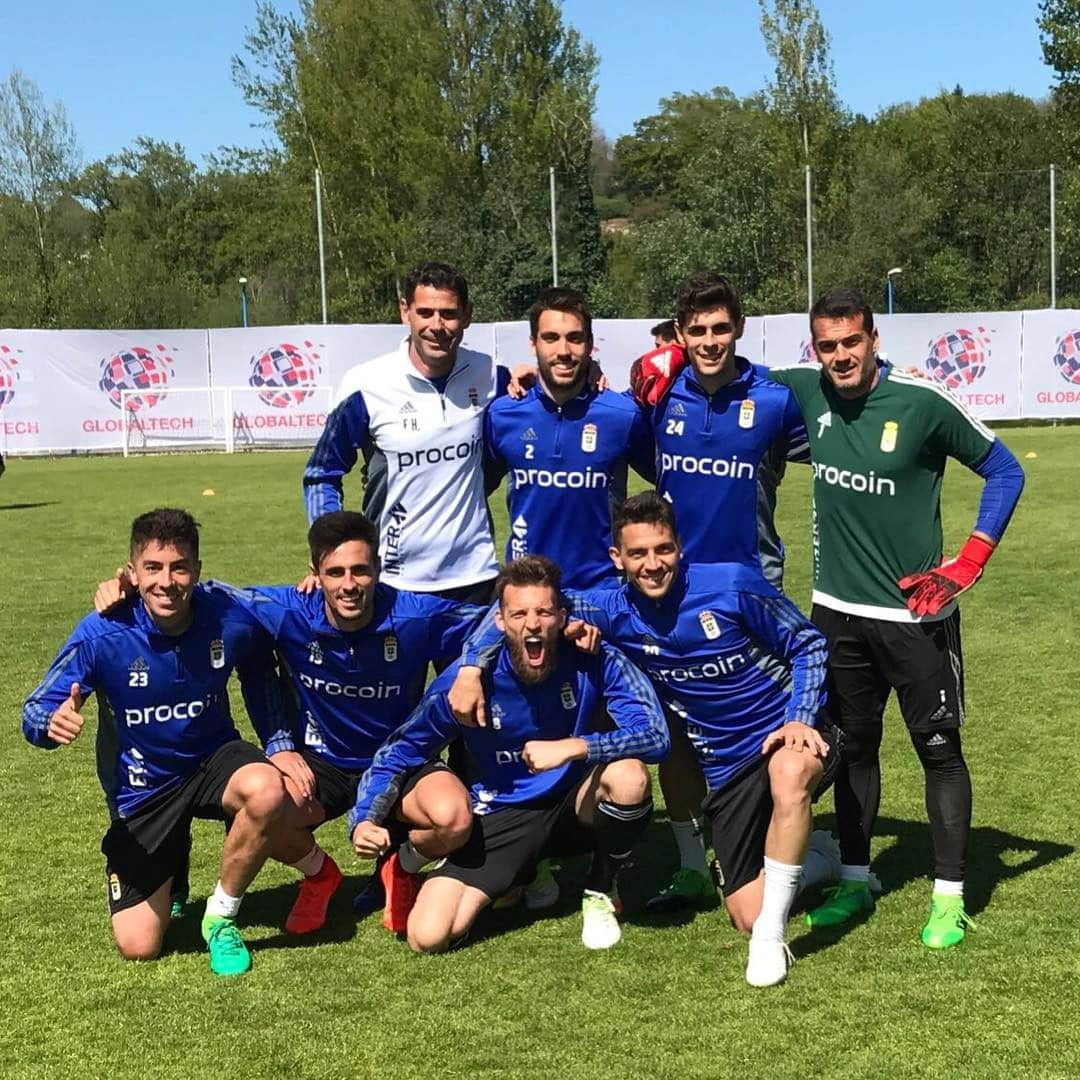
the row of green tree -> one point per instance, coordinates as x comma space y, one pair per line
433, 124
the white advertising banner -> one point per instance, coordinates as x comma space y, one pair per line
1051, 376
62, 390
283, 379
976, 355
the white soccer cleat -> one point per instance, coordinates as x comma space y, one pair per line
600, 928
768, 962
543, 891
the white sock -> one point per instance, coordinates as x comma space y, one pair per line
855, 873
691, 846
312, 862
219, 902
411, 860
948, 888
781, 885
816, 868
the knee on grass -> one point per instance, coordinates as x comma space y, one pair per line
427, 935
138, 945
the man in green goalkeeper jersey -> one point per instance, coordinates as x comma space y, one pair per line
879, 440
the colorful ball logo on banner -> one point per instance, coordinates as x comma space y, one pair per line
1067, 356
285, 374
958, 357
9, 374
138, 369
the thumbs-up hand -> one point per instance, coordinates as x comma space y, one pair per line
67, 721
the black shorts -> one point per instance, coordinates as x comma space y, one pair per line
335, 788
739, 814
922, 662
505, 846
143, 851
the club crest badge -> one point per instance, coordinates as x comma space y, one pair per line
474, 397
496, 716
709, 625
314, 653
390, 648
823, 421
746, 414
566, 696
114, 887
217, 654
889, 435
588, 438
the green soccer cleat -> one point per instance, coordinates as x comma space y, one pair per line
948, 920
228, 953
178, 904
846, 899
686, 889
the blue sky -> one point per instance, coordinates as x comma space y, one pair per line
124, 68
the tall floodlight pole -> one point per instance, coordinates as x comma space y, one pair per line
889, 285
809, 247
1053, 238
554, 230
243, 301
322, 249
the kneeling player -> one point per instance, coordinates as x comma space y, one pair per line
541, 782
743, 669
167, 747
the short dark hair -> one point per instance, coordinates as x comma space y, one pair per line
529, 570
665, 330
558, 299
842, 304
437, 275
339, 527
704, 291
166, 525
644, 509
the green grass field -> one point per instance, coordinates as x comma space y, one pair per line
525, 999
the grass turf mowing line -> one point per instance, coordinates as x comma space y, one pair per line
525, 999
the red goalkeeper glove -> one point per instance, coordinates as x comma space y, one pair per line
651, 375
931, 591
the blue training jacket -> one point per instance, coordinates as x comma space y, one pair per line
727, 653
353, 688
719, 460
163, 703
566, 469
563, 705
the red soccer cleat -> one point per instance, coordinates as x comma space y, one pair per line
401, 892
309, 912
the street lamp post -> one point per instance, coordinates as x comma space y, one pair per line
243, 300
889, 284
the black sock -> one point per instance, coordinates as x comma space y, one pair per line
618, 827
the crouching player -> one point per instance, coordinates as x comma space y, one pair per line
542, 783
355, 652
166, 745
743, 669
